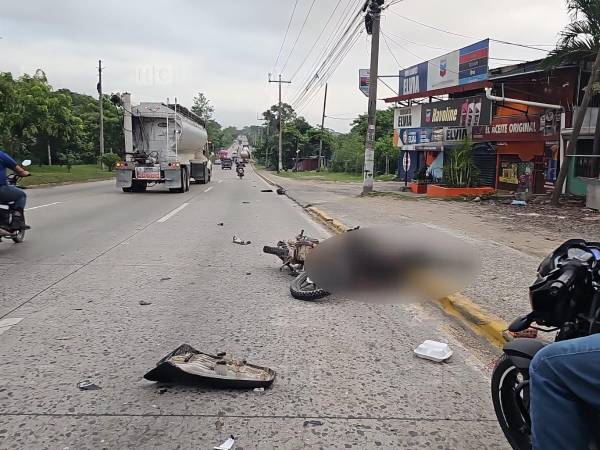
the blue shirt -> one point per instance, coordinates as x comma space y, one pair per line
6, 162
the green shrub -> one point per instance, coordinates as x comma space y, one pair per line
110, 160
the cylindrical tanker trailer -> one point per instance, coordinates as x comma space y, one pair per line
164, 144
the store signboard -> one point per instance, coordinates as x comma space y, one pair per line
518, 128
438, 135
364, 76
464, 66
407, 117
459, 112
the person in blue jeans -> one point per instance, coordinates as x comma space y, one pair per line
565, 384
10, 193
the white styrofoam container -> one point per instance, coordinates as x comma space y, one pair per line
434, 351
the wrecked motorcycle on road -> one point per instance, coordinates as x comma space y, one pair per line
293, 253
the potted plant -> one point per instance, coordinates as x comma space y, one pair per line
420, 181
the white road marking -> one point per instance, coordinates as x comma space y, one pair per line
42, 206
220, 181
6, 324
209, 189
172, 213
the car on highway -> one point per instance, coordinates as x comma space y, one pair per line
226, 164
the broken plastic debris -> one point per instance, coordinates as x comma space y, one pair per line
246, 203
187, 365
259, 389
227, 445
315, 423
237, 240
165, 279
434, 351
144, 303
266, 190
221, 224
518, 203
88, 385
281, 191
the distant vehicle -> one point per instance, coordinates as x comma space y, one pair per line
217, 162
223, 154
164, 144
226, 164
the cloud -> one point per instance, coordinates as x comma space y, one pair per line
226, 49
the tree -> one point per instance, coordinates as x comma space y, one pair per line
580, 40
202, 107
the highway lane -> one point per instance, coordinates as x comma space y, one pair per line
76, 285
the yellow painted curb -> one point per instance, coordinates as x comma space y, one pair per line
468, 313
334, 225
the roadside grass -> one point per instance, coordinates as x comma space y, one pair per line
331, 176
59, 174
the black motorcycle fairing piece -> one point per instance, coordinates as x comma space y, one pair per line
521, 323
522, 350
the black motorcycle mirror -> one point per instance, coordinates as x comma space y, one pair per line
521, 323
26, 163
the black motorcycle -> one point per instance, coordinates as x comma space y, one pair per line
564, 298
7, 211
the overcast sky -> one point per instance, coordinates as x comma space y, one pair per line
226, 49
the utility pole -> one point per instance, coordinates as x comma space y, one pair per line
101, 109
372, 21
322, 127
280, 163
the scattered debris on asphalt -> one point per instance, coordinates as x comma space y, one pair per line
266, 190
221, 224
187, 365
227, 445
237, 240
259, 389
281, 191
163, 390
165, 279
87, 385
65, 338
144, 303
518, 203
434, 351
248, 273
314, 423
246, 203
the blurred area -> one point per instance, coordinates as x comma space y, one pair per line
411, 263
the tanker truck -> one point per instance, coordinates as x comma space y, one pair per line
164, 144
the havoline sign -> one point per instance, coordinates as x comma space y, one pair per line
460, 112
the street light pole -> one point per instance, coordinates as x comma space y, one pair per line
322, 127
375, 16
280, 162
101, 110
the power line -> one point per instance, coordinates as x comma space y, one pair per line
338, 51
299, 34
390, 50
316, 40
499, 41
286, 34
329, 46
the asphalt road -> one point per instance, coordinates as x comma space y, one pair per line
346, 373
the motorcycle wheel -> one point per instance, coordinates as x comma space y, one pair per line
505, 378
19, 237
302, 288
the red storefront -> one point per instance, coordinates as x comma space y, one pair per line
526, 149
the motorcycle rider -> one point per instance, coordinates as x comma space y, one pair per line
565, 384
9, 193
